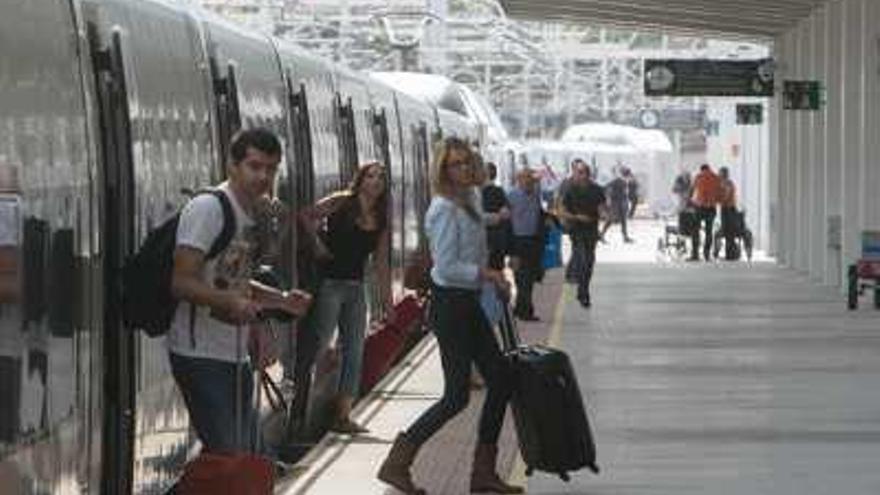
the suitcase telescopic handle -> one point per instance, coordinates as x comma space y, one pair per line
509, 332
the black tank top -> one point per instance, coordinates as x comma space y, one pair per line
349, 244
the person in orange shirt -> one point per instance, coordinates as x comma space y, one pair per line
705, 197
727, 199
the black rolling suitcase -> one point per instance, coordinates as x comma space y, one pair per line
551, 422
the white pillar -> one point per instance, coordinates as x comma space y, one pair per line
818, 229
780, 223
774, 113
801, 152
789, 198
872, 164
834, 145
853, 128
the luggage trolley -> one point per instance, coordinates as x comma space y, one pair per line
674, 242
864, 274
742, 238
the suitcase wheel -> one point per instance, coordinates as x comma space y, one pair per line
564, 476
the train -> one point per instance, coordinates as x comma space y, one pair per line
110, 112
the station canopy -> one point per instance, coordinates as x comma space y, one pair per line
759, 19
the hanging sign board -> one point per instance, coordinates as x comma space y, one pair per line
706, 77
801, 95
749, 114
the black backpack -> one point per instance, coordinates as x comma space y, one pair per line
147, 303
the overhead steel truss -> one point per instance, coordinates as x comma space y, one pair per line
540, 76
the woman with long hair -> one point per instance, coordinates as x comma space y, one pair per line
356, 221
456, 233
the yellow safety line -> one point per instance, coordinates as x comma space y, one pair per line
518, 472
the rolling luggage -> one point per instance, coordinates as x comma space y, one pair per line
551, 422
230, 473
383, 346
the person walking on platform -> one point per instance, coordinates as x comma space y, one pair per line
581, 207
729, 214
219, 300
578, 167
632, 191
705, 198
682, 189
494, 201
526, 217
355, 228
617, 196
455, 230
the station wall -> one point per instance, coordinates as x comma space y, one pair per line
825, 185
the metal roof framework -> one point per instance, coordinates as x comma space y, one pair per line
761, 20
540, 76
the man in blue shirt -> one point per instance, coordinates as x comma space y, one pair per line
527, 224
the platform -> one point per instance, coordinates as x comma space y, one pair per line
703, 378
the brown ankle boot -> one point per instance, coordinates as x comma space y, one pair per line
484, 479
395, 468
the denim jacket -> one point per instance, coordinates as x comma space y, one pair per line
458, 244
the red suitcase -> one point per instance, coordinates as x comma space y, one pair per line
227, 474
230, 473
383, 346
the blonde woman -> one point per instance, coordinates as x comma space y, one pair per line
457, 236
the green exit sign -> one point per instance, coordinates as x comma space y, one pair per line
801, 95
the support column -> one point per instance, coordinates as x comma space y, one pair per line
834, 145
818, 223
772, 233
801, 153
853, 129
788, 199
872, 164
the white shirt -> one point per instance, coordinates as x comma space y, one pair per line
201, 222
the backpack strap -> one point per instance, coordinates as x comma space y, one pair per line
229, 224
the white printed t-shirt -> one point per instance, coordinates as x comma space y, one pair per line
201, 222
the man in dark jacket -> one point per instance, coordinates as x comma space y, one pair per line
616, 190
499, 235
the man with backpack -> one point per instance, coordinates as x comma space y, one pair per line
208, 336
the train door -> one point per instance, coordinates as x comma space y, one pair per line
382, 140
422, 171
226, 111
347, 139
117, 227
301, 177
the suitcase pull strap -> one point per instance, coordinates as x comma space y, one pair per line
509, 333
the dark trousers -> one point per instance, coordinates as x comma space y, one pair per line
464, 337
706, 215
729, 229
528, 250
497, 240
619, 213
584, 242
209, 388
573, 269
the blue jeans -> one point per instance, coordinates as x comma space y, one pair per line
342, 304
209, 387
464, 337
